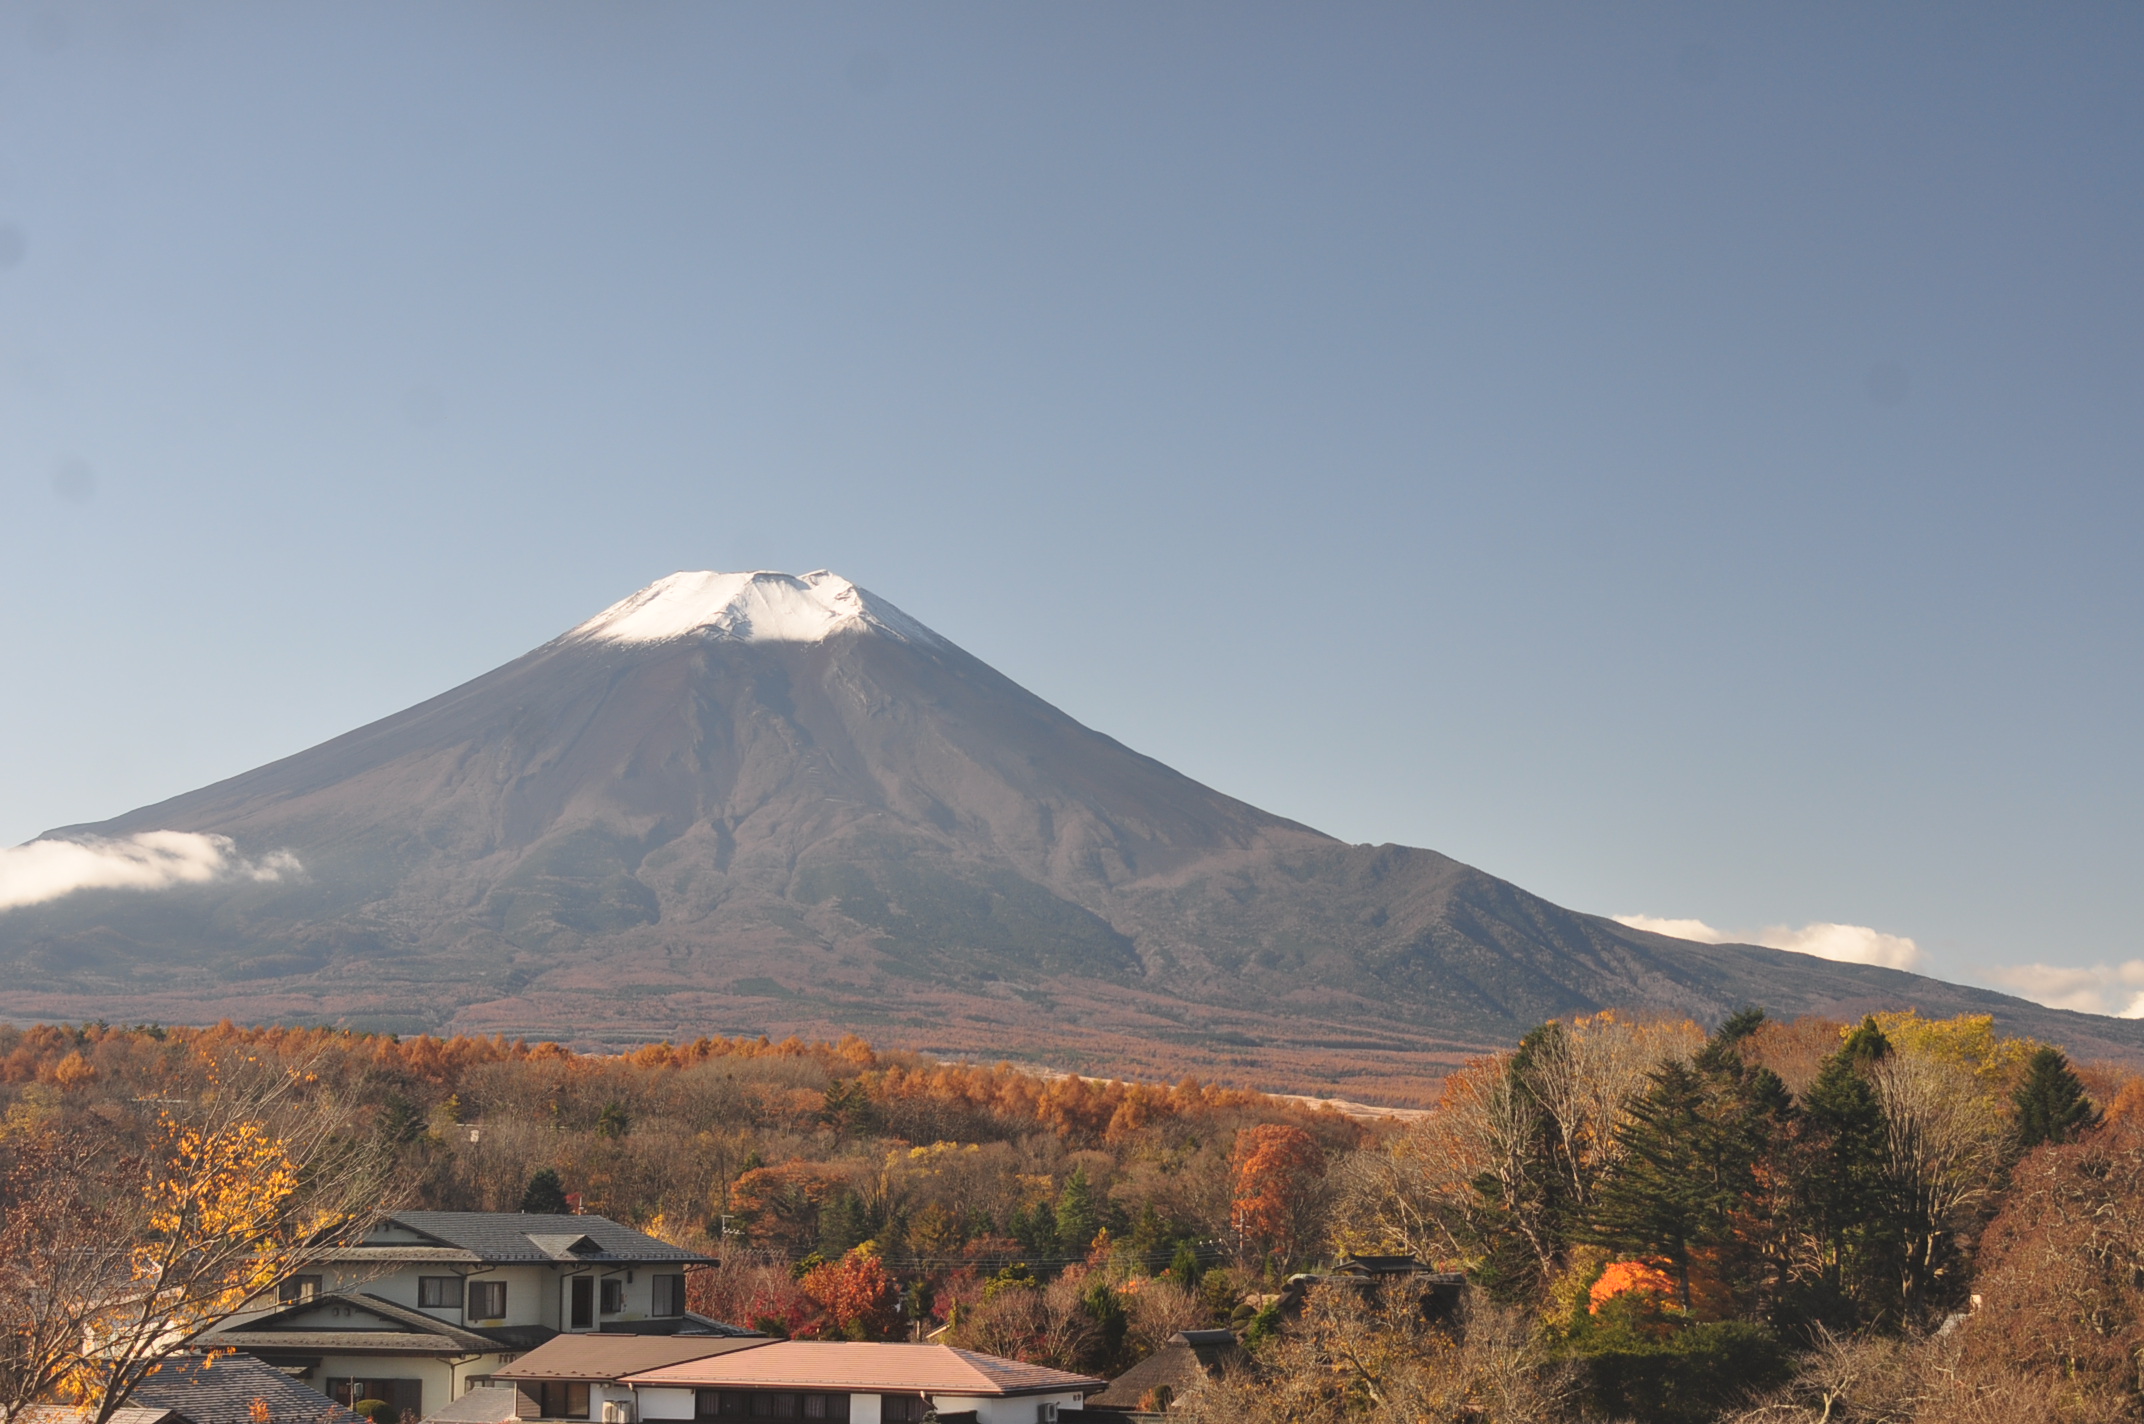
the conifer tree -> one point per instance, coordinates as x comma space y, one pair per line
1035, 1229
1654, 1203
844, 1223
1841, 1186
1689, 1179
1077, 1217
2051, 1102
1866, 1046
545, 1193
399, 1122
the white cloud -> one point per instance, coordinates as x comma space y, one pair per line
38, 871
1850, 944
2116, 989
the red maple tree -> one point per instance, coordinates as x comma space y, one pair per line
860, 1296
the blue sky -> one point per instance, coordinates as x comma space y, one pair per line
1685, 460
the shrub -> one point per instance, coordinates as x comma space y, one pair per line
1686, 1375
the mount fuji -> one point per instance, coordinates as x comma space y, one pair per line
757, 802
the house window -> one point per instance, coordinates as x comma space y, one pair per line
439, 1292
487, 1300
669, 1295
903, 1408
583, 1314
551, 1399
613, 1297
402, 1396
744, 1404
297, 1290
565, 1399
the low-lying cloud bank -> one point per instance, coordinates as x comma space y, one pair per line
2116, 989
37, 871
1849, 944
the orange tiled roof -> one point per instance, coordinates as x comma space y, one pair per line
867, 1369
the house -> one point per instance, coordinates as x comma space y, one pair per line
1437, 1293
1167, 1375
430, 1304
857, 1383
199, 1388
576, 1376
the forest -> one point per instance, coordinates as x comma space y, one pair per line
1900, 1219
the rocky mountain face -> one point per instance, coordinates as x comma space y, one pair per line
751, 802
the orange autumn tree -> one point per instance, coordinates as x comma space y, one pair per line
1279, 1169
860, 1296
1631, 1278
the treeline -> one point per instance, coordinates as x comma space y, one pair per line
783, 1150
1687, 1220
1901, 1219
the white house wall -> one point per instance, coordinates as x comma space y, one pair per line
1019, 1409
535, 1294
658, 1403
443, 1382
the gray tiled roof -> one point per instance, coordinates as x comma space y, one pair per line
408, 1332
506, 1237
222, 1389
75, 1414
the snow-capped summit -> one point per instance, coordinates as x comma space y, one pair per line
757, 607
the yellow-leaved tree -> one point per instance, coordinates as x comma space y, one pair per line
121, 1241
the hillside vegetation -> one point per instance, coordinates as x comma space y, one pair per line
1900, 1219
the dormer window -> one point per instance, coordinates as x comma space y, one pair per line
565, 1244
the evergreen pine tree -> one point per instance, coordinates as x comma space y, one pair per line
1106, 1354
1077, 1218
1696, 1149
1184, 1266
399, 1122
2051, 1102
1866, 1046
1841, 1189
1724, 1048
1036, 1230
545, 1193
1654, 1202
1150, 1234
844, 1223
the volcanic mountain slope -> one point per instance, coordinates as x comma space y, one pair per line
754, 802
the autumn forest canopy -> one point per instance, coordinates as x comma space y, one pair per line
1905, 1218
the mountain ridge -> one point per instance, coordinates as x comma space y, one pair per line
813, 820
